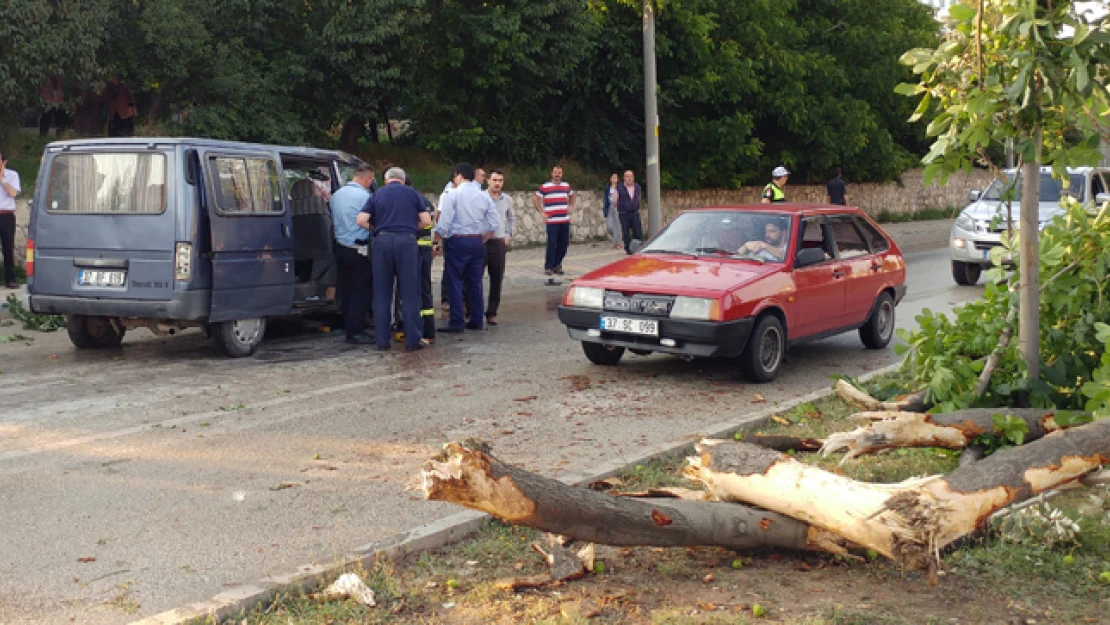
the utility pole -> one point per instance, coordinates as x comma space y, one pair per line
651, 122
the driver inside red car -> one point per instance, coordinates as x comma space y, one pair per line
772, 246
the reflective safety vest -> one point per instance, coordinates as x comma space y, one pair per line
424, 237
776, 193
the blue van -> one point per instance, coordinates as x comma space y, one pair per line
175, 233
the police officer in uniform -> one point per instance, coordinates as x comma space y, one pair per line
773, 191
397, 214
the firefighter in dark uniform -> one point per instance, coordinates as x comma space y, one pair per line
773, 191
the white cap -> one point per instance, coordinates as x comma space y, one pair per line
779, 172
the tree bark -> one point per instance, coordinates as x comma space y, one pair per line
353, 129
479, 481
911, 521
783, 443
1029, 292
951, 430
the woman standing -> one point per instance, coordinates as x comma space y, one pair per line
609, 209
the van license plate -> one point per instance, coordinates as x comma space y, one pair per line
87, 277
643, 327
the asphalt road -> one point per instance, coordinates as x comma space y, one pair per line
141, 479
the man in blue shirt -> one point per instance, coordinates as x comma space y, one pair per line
396, 213
352, 254
467, 219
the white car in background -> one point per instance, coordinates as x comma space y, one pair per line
980, 226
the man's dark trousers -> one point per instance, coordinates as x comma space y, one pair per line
465, 260
558, 240
353, 289
7, 243
631, 228
396, 257
427, 301
495, 262
443, 278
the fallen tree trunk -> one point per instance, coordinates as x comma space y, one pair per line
914, 402
476, 480
952, 430
911, 521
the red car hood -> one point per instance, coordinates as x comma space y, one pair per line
648, 273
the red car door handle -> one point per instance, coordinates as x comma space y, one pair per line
876, 266
838, 273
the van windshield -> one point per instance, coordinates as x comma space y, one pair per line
117, 182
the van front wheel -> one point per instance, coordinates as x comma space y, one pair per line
239, 338
94, 332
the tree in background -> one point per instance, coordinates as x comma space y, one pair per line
743, 86
39, 38
1027, 70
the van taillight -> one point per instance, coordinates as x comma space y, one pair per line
29, 264
183, 261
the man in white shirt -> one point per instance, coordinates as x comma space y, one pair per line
497, 246
9, 189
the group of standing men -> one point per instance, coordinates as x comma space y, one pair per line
386, 240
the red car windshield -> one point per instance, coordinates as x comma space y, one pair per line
755, 235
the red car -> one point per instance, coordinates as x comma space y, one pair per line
742, 282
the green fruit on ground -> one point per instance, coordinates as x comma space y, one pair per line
757, 610
452, 583
1069, 560
737, 564
599, 568
1104, 577
738, 436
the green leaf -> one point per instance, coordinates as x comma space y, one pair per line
909, 89
961, 12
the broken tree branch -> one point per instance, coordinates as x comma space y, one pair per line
996, 354
476, 480
952, 430
911, 521
914, 402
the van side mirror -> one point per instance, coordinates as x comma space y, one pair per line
974, 196
1102, 198
809, 256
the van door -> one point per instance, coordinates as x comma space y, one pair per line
104, 224
252, 244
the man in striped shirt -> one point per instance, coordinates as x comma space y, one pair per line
555, 201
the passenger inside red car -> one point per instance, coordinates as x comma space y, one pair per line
732, 235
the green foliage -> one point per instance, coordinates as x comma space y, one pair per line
34, 321
743, 86
946, 353
1009, 431
1018, 73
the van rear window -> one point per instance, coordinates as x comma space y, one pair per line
118, 182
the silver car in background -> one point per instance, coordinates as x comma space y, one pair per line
980, 226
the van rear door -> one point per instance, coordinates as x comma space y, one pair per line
252, 245
102, 229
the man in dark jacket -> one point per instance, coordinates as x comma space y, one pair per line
628, 209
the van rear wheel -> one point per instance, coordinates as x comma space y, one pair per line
94, 332
239, 338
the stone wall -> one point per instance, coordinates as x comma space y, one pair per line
22, 217
907, 196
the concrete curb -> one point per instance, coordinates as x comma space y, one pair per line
446, 530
